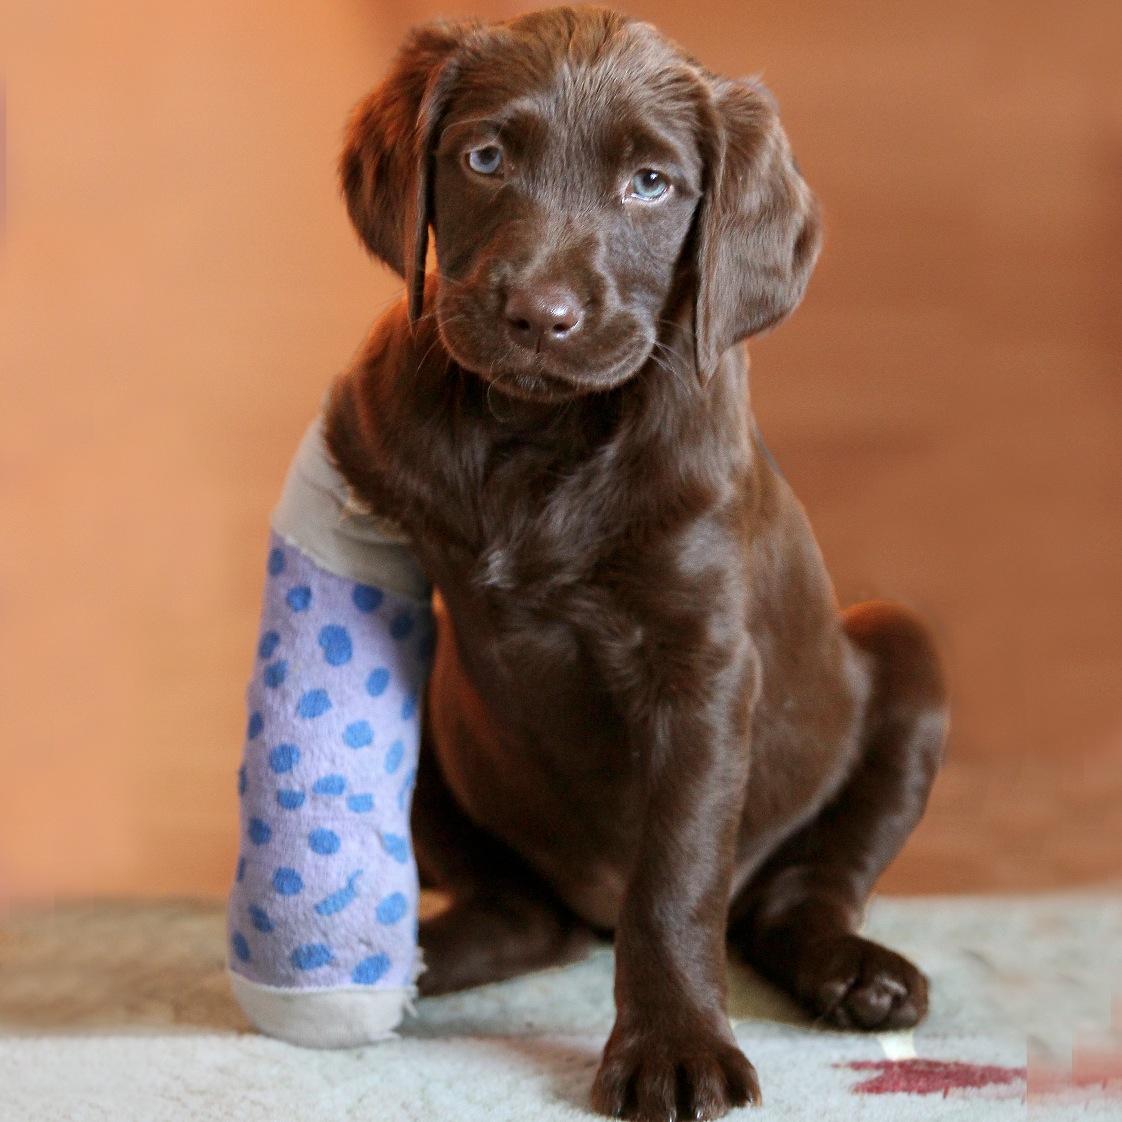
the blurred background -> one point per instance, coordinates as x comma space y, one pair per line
179, 284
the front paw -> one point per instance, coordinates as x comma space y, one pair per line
657, 1076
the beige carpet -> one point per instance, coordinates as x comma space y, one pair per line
121, 1012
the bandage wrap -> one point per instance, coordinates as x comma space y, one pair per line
323, 912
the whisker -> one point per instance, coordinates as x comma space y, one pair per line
676, 324
669, 362
669, 365
437, 338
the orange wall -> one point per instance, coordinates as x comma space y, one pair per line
179, 284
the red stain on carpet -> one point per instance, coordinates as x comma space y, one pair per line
931, 1077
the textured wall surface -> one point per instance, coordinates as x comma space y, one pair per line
179, 284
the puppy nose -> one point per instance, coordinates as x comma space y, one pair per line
542, 314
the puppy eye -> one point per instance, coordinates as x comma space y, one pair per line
649, 184
486, 160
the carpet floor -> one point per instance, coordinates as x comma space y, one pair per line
121, 1012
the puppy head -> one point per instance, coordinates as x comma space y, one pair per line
582, 177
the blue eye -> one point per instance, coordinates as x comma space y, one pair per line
486, 160
649, 184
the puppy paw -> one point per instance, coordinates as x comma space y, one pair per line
853, 983
653, 1077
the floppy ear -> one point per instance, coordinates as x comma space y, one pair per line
758, 232
385, 168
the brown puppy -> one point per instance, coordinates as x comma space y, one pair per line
647, 714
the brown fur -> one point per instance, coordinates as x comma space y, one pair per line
647, 714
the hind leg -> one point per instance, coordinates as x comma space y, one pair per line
795, 922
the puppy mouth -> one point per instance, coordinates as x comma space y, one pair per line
530, 386
545, 374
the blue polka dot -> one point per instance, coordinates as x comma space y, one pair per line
260, 919
336, 644
396, 846
290, 800
324, 842
284, 757
370, 970
240, 875
394, 755
337, 901
288, 882
276, 561
330, 785
409, 707
406, 789
241, 947
311, 956
401, 625
391, 909
242, 781
256, 724
268, 644
259, 832
366, 598
358, 735
313, 704
299, 599
275, 674
377, 682
360, 804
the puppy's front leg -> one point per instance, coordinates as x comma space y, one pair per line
671, 1053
